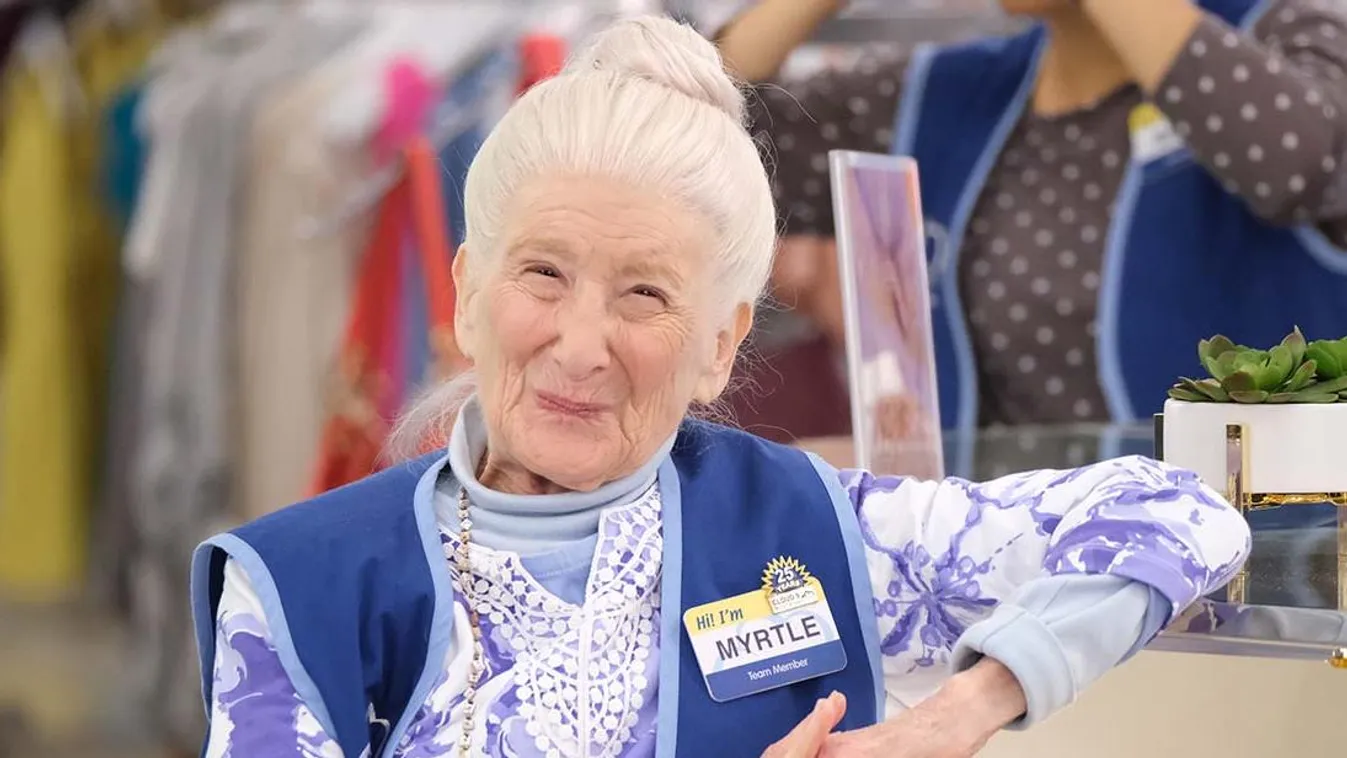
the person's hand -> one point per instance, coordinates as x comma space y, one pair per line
956, 722
899, 418
917, 733
807, 738
906, 439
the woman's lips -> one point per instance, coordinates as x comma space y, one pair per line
566, 406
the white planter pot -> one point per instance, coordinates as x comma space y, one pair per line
1291, 448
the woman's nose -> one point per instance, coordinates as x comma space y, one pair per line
581, 348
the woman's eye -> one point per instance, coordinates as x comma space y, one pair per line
649, 292
547, 271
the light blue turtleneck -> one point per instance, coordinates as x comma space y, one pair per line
555, 535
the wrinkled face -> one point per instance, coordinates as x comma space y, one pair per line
593, 328
1034, 7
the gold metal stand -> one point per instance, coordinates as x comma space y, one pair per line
1237, 492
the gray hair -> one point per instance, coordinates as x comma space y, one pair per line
648, 102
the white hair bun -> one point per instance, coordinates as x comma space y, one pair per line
665, 52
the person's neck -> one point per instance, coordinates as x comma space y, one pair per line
1079, 67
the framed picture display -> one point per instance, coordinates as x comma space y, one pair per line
881, 253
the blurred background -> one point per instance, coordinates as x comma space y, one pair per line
223, 227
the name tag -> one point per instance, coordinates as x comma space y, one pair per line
1153, 135
771, 637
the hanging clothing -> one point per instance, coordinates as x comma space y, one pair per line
485, 91
374, 382
294, 290
296, 296
188, 229
59, 250
182, 254
124, 156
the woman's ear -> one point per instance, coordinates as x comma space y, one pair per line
728, 340
464, 327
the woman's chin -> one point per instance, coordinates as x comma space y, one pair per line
577, 453
570, 462
577, 476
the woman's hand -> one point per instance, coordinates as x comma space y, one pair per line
807, 738
956, 722
907, 440
918, 733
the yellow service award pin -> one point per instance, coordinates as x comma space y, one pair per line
1153, 135
776, 635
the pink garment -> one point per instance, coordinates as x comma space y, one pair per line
410, 97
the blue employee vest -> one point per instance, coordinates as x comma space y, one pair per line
356, 590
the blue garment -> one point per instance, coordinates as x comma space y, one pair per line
124, 152
1184, 260
472, 90
363, 616
415, 315
468, 92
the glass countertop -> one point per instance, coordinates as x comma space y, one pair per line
1291, 607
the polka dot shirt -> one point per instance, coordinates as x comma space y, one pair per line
1263, 113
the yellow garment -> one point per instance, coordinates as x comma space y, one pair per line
59, 258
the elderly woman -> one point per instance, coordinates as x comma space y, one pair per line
588, 571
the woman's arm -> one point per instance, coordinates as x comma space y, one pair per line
1262, 112
1056, 575
254, 708
758, 41
958, 721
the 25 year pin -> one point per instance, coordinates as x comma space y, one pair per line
774, 636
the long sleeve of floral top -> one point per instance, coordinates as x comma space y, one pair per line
1060, 575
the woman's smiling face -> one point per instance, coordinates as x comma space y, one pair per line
594, 328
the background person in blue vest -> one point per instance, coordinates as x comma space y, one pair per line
587, 571
1118, 182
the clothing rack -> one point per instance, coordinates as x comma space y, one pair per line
451, 127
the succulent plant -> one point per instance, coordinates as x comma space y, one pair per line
1291, 372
